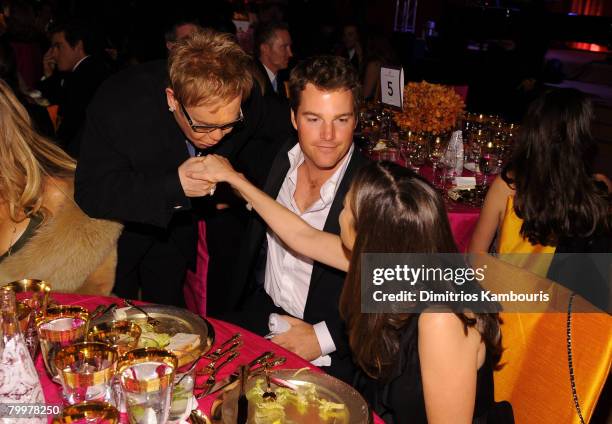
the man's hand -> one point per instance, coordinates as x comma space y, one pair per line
194, 187
300, 339
216, 169
48, 63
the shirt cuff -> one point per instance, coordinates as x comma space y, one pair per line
326, 343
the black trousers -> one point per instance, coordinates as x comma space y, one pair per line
156, 269
255, 312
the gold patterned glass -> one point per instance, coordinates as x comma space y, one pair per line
122, 335
89, 413
59, 327
86, 370
147, 376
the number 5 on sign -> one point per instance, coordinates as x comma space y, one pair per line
391, 86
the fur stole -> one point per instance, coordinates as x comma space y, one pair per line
70, 251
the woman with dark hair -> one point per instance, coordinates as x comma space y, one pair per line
429, 367
548, 199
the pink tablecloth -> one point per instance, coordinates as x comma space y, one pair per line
462, 217
253, 346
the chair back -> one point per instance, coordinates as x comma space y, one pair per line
535, 377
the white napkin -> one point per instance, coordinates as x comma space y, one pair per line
465, 182
279, 325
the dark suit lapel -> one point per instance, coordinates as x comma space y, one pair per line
332, 225
278, 171
175, 141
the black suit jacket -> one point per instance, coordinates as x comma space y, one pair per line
325, 283
131, 150
281, 78
73, 91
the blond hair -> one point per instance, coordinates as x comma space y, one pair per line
26, 158
208, 67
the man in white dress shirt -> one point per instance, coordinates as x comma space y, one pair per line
273, 49
310, 178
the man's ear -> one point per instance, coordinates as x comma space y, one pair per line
172, 103
79, 47
264, 50
293, 120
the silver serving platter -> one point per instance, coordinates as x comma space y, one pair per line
327, 387
173, 320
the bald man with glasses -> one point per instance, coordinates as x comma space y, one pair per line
144, 131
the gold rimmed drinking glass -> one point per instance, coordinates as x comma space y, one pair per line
33, 294
86, 370
58, 327
89, 413
122, 335
37, 296
24, 313
147, 376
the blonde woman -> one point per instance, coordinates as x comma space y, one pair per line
43, 233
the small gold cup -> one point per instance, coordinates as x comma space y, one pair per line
40, 290
89, 412
58, 327
147, 376
24, 313
122, 335
86, 370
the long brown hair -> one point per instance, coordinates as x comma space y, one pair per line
395, 211
556, 195
26, 158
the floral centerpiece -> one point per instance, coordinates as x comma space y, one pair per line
431, 108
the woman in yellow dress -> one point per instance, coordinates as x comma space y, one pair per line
548, 191
548, 200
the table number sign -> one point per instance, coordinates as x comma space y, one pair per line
392, 86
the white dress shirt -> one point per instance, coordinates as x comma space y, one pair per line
272, 77
288, 274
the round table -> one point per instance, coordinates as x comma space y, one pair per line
253, 346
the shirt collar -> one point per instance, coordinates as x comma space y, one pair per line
329, 188
79, 62
271, 75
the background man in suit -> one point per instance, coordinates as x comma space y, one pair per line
144, 129
311, 178
273, 50
179, 30
72, 74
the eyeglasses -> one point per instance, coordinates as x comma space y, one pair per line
211, 128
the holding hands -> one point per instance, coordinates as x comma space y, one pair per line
199, 175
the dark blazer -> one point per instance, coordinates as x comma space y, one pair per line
131, 150
75, 91
281, 78
325, 283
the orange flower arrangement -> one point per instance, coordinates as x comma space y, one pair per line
430, 108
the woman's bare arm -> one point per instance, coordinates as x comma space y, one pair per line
490, 216
291, 229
